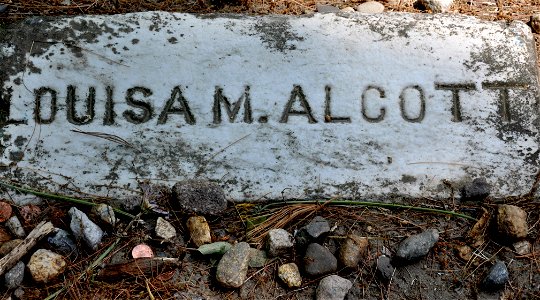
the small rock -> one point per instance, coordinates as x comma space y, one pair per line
164, 229
30, 213
3, 8
8, 246
61, 242
311, 232
5, 211
142, 251
105, 213
477, 190
45, 265
333, 287
319, 260
257, 258
279, 242
522, 247
199, 230
496, 278
290, 275
370, 7
352, 250
84, 229
321, 8
464, 252
233, 266
19, 293
416, 246
385, 270
535, 23
218, 248
200, 197
347, 9
15, 276
512, 221
435, 6
15, 227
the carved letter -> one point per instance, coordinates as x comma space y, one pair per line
71, 99
5, 104
147, 110
328, 117
169, 108
380, 117
503, 87
39, 93
456, 102
297, 93
402, 105
109, 108
232, 109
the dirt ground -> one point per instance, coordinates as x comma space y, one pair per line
443, 274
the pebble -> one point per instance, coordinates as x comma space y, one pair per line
19, 293
512, 221
535, 23
62, 242
279, 242
522, 247
416, 246
200, 197
385, 270
370, 7
477, 190
84, 229
15, 276
5, 211
45, 265
15, 227
8, 246
164, 229
105, 213
321, 8
435, 6
199, 230
219, 248
233, 266
347, 9
333, 287
257, 258
319, 260
290, 275
352, 250
317, 228
497, 277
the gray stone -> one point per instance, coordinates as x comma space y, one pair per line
199, 230
290, 275
61, 242
215, 248
497, 277
353, 249
165, 230
279, 242
105, 213
333, 287
314, 230
319, 261
19, 293
14, 277
257, 258
385, 270
512, 222
370, 7
321, 8
45, 265
417, 246
436, 6
84, 229
477, 190
15, 227
200, 196
233, 266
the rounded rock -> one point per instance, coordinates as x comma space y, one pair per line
199, 230
417, 246
497, 277
15, 276
257, 258
233, 266
62, 242
333, 287
15, 227
352, 250
319, 260
200, 197
370, 7
384, 268
347, 9
45, 265
279, 242
512, 221
290, 275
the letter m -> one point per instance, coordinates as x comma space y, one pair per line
232, 109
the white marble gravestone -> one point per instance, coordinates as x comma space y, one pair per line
349, 105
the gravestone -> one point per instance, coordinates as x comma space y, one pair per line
270, 107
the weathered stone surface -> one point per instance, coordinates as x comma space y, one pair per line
333, 287
257, 258
319, 260
165, 230
233, 266
61, 242
385, 270
416, 246
512, 221
45, 265
352, 250
15, 227
279, 242
14, 277
496, 277
199, 230
271, 106
321, 8
84, 229
477, 190
200, 196
290, 275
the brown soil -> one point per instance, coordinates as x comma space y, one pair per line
441, 275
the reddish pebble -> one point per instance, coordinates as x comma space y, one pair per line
30, 213
141, 251
5, 211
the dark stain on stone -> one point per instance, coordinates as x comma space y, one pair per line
408, 178
173, 40
20, 141
135, 41
276, 33
16, 155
